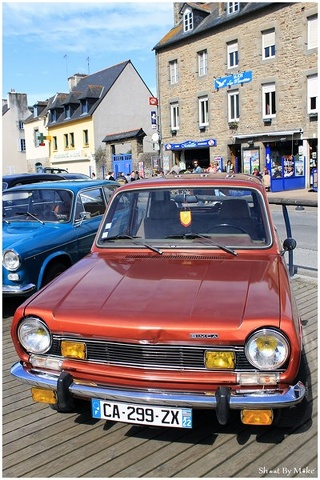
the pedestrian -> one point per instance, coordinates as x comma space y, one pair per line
256, 172
110, 176
266, 177
196, 167
229, 167
121, 179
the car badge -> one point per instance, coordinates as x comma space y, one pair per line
204, 335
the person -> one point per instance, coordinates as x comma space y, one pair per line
229, 167
175, 170
110, 176
266, 178
213, 168
256, 172
121, 179
196, 167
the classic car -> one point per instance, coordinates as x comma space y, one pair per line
183, 303
47, 227
9, 181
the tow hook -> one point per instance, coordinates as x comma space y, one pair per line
222, 408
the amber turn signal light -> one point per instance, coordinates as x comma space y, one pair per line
257, 417
43, 395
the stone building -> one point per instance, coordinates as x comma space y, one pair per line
238, 81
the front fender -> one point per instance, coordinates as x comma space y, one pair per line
61, 255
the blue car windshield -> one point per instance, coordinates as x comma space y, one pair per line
47, 205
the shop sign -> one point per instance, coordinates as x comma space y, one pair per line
211, 142
232, 80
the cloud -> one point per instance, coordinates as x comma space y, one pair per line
82, 26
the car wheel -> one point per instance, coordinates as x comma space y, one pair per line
301, 413
53, 271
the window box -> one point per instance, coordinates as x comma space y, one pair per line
233, 125
267, 121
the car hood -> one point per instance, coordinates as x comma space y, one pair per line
154, 298
20, 235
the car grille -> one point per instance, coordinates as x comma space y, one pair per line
167, 357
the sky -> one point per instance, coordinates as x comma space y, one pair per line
44, 43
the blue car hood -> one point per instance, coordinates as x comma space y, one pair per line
22, 235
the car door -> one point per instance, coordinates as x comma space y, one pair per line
90, 207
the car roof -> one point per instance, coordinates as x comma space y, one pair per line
74, 184
202, 179
23, 176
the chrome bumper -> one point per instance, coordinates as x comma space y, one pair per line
18, 289
259, 399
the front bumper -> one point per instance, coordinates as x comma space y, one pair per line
18, 289
257, 399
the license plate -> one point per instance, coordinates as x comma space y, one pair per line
142, 414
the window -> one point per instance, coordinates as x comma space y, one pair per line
268, 44
20, 125
71, 138
84, 107
203, 63
188, 20
67, 111
53, 115
312, 86
203, 111
36, 140
85, 137
66, 140
174, 114
173, 66
233, 55
21, 145
313, 32
233, 106
55, 143
269, 100
233, 7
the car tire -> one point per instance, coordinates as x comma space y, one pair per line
53, 271
300, 414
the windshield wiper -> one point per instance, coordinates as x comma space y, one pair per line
205, 237
129, 237
118, 237
30, 215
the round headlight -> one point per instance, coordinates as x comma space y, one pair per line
267, 349
11, 260
34, 336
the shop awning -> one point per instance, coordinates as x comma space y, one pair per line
281, 133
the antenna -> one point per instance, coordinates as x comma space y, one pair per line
66, 59
88, 61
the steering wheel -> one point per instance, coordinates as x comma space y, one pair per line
227, 225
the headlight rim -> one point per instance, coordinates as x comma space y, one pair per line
279, 336
28, 346
4, 263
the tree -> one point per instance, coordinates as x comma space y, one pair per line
101, 160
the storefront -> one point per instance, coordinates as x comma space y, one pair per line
183, 154
284, 153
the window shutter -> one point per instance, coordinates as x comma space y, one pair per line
312, 32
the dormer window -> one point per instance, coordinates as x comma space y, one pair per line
233, 7
84, 107
53, 115
188, 20
67, 111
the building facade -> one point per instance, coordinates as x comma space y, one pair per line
238, 81
73, 126
15, 111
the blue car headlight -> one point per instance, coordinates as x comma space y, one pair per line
11, 260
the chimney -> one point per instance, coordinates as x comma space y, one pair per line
176, 12
75, 79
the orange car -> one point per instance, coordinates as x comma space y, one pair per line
183, 303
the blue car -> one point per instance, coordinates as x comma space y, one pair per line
47, 227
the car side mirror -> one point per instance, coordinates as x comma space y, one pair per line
289, 244
85, 215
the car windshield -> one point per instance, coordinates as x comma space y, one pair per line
46, 205
208, 216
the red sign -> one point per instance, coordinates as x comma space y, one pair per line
153, 101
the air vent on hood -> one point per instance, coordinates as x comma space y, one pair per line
177, 255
